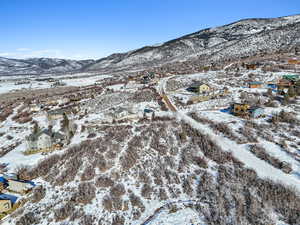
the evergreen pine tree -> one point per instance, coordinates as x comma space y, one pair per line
286, 99
291, 92
36, 128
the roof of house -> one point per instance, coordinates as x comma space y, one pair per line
255, 82
236, 103
284, 81
3, 180
56, 112
12, 198
291, 76
53, 135
255, 108
198, 84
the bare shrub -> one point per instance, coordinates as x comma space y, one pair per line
103, 181
200, 161
156, 145
71, 169
38, 194
28, 219
107, 203
63, 212
76, 214
85, 193
5, 113
87, 220
143, 177
206, 183
205, 144
136, 202
45, 166
200, 119
223, 128
162, 194
147, 191
187, 186
101, 163
24, 172
248, 133
288, 117
157, 175
117, 203
284, 117
282, 198
261, 153
22, 117
130, 158
118, 220
88, 173
117, 191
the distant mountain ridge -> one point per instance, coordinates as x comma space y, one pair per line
244, 38
40, 65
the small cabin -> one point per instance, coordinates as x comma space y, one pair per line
251, 66
240, 109
255, 84
291, 78
200, 88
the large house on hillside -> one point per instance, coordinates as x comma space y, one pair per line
44, 139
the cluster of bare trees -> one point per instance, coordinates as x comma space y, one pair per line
233, 195
261, 153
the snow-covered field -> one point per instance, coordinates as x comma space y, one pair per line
9, 86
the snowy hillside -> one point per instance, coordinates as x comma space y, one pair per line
241, 39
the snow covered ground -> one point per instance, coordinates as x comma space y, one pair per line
9, 86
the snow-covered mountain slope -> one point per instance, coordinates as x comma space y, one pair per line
40, 65
240, 39
234, 41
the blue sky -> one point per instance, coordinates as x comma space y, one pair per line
96, 28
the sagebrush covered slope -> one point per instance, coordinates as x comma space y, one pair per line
129, 172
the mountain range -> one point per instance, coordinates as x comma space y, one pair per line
241, 39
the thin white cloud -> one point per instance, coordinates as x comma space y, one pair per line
23, 49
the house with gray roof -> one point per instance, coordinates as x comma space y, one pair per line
44, 138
